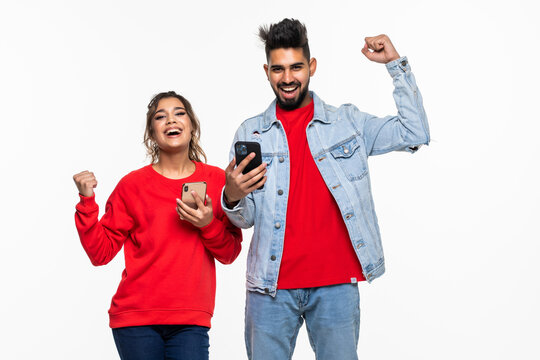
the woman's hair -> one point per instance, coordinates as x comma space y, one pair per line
195, 152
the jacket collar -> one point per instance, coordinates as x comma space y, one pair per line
269, 116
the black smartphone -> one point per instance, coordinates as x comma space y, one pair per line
243, 149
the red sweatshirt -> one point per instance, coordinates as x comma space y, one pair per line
170, 272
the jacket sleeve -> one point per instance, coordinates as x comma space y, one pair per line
102, 239
222, 239
407, 130
243, 214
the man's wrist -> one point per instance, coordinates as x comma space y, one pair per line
398, 66
229, 204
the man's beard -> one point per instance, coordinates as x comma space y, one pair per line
291, 104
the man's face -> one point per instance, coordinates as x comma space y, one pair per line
288, 72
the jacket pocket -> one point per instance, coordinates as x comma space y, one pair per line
266, 158
348, 154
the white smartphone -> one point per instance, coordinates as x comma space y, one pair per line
198, 187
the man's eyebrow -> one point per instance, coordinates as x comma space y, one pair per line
291, 65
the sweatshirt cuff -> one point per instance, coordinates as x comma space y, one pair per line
213, 229
398, 66
86, 203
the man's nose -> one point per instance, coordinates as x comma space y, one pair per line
287, 76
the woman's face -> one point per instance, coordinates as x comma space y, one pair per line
172, 126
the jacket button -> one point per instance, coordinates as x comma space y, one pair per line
266, 290
345, 150
358, 246
404, 63
281, 159
280, 192
277, 225
273, 257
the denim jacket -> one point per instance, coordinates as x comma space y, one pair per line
340, 140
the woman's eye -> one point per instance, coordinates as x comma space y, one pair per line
180, 113
159, 117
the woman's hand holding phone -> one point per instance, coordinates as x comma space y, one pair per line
86, 182
199, 217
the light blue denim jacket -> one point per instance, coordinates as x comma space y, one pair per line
340, 140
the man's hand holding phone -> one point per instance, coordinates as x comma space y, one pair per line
239, 185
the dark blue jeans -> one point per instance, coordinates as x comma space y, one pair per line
159, 342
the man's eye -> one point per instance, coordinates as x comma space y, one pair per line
297, 67
277, 70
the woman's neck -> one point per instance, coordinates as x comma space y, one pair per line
176, 166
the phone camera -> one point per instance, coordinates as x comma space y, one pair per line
186, 188
241, 149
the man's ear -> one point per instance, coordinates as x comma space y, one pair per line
265, 66
312, 66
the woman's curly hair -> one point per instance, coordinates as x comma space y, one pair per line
195, 153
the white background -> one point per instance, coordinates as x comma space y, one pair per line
459, 219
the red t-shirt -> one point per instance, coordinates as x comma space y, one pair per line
170, 276
317, 249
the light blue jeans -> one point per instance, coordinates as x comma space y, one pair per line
332, 315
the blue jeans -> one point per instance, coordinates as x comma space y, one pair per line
159, 342
332, 315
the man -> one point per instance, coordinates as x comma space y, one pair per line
316, 234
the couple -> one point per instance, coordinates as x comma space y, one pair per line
315, 229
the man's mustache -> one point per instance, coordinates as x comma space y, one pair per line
294, 83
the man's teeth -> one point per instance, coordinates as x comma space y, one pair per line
288, 89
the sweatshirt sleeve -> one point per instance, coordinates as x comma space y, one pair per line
222, 238
102, 239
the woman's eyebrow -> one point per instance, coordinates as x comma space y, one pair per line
176, 108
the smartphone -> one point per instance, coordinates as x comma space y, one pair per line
243, 149
198, 187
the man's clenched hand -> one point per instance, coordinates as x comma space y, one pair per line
380, 49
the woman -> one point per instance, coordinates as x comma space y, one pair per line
165, 300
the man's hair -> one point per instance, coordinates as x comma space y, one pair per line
288, 33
